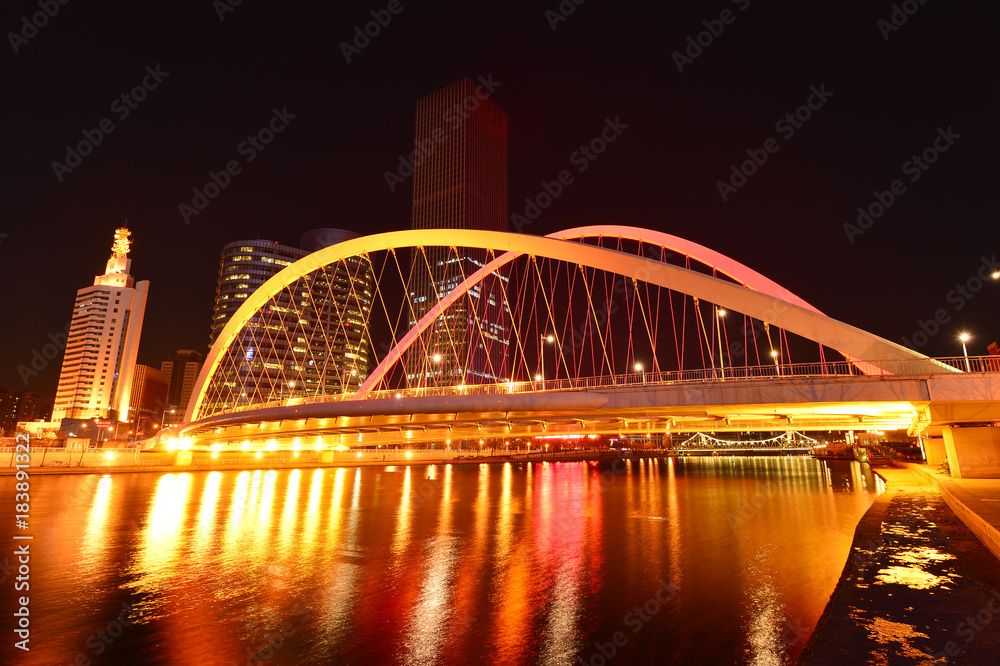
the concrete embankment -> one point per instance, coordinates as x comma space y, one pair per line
919, 587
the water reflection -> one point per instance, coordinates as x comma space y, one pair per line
507, 564
95, 538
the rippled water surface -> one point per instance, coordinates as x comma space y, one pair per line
696, 560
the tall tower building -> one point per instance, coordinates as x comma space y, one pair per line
149, 393
331, 348
460, 183
246, 265
181, 370
99, 361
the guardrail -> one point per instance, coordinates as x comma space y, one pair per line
777, 372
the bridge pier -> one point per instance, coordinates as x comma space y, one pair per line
973, 453
935, 451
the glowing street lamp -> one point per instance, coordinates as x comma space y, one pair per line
774, 355
718, 325
964, 337
638, 370
163, 418
545, 338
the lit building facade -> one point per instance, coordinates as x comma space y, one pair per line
317, 333
246, 265
459, 183
181, 370
99, 360
148, 396
19, 406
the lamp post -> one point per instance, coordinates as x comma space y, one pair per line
774, 355
964, 337
545, 338
638, 370
437, 358
720, 313
163, 417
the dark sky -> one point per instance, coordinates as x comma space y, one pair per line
606, 60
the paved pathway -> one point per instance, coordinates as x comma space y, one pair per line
919, 587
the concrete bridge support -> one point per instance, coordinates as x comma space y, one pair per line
973, 453
935, 450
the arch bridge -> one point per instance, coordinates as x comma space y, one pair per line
439, 336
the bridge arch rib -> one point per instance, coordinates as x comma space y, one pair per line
756, 296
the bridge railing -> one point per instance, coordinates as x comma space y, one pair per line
777, 372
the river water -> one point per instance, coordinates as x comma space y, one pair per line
689, 561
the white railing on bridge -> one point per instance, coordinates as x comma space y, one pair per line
777, 372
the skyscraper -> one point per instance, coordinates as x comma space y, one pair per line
97, 368
246, 265
17, 406
182, 370
460, 182
318, 335
149, 394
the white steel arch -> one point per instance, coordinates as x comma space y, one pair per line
761, 298
720, 262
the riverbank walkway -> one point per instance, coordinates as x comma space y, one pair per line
919, 587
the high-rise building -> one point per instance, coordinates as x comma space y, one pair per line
148, 396
99, 360
320, 337
459, 183
17, 406
246, 265
182, 370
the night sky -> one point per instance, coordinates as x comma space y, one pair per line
886, 93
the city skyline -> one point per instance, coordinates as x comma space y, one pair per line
342, 145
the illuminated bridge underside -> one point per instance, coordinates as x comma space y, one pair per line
802, 404
883, 385
766, 304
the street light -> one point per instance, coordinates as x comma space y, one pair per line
163, 417
718, 325
964, 337
638, 369
545, 338
774, 355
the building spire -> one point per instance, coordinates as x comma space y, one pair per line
122, 243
